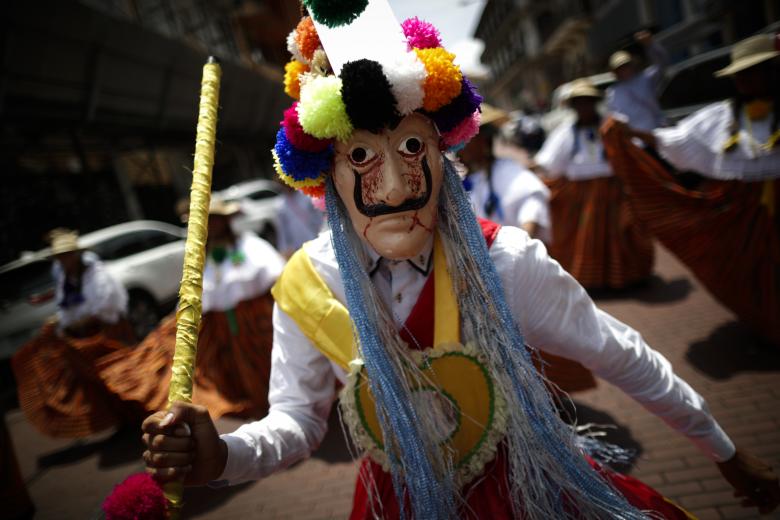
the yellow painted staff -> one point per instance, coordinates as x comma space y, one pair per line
189, 312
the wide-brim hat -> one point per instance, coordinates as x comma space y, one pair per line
64, 241
749, 53
618, 59
224, 208
493, 116
580, 88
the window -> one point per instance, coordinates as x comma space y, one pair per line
26, 280
262, 194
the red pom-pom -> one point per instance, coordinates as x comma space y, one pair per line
139, 497
295, 134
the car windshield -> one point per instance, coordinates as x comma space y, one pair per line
26, 280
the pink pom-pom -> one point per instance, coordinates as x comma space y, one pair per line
319, 203
421, 34
295, 134
464, 131
138, 497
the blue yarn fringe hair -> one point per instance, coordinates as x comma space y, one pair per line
548, 477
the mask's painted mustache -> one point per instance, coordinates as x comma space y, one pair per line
376, 210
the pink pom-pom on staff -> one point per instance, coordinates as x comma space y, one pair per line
138, 497
421, 34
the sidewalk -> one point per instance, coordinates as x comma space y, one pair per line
739, 378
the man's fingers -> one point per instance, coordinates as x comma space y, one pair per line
168, 459
168, 443
168, 474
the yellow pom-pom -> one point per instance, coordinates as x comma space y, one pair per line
321, 111
443, 78
292, 78
290, 181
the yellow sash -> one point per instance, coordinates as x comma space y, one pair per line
302, 293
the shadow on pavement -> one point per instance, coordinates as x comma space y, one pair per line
730, 349
123, 447
613, 432
200, 500
653, 290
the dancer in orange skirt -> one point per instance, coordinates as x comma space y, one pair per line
58, 389
727, 229
234, 345
595, 236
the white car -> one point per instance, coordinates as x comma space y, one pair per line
259, 200
145, 256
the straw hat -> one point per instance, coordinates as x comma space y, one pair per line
750, 52
582, 88
618, 59
492, 116
64, 241
223, 208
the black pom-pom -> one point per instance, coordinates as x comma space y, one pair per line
333, 13
367, 95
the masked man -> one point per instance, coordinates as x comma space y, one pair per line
440, 391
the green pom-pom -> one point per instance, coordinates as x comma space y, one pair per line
321, 111
333, 13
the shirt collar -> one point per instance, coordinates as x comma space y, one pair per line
420, 262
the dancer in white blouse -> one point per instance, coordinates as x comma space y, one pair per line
595, 236
726, 229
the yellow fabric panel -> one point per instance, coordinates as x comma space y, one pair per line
304, 296
446, 324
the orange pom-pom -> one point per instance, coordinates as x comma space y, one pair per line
306, 37
292, 80
314, 191
442, 79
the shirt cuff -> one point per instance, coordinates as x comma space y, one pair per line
717, 445
239, 453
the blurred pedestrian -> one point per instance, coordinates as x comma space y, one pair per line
635, 94
58, 388
297, 221
595, 237
501, 189
234, 345
727, 229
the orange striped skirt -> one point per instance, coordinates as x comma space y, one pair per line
595, 235
726, 232
232, 367
59, 390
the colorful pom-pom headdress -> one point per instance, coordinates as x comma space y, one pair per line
355, 67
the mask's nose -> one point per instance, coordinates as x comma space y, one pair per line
393, 189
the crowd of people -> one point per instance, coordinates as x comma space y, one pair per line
408, 276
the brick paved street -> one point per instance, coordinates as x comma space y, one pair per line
739, 377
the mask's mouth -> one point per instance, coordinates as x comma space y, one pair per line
377, 210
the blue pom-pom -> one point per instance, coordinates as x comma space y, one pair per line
298, 164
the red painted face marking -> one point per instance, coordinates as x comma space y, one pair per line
371, 180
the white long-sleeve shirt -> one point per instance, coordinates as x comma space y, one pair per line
228, 283
522, 197
696, 143
104, 296
637, 98
576, 153
554, 313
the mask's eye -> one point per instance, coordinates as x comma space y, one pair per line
361, 155
411, 146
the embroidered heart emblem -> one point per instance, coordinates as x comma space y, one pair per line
456, 389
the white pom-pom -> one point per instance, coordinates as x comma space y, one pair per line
292, 47
406, 75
